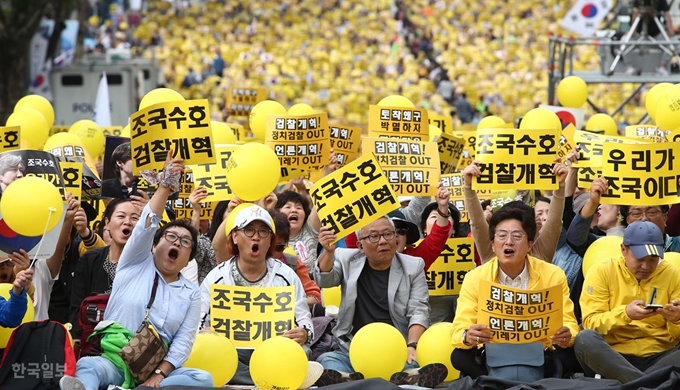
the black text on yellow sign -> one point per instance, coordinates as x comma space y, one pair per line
10, 138
642, 175
300, 141
519, 316
345, 141
214, 176
112, 130
72, 173
450, 152
412, 167
353, 196
239, 132
250, 315
446, 274
648, 132
398, 122
443, 122
182, 205
240, 100
566, 144
470, 139
591, 145
183, 126
454, 182
586, 176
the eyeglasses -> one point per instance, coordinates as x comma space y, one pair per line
502, 235
637, 214
280, 247
183, 241
375, 237
250, 232
401, 231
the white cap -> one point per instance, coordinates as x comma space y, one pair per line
253, 213
404, 198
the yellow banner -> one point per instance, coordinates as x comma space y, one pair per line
642, 175
591, 144
586, 176
72, 172
566, 144
300, 141
10, 138
450, 152
239, 132
470, 139
353, 196
250, 315
519, 316
454, 182
112, 130
214, 176
182, 205
446, 274
240, 100
443, 122
345, 141
398, 122
412, 167
502, 197
648, 132
183, 126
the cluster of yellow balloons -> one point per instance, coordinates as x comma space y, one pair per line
663, 105
35, 115
31, 205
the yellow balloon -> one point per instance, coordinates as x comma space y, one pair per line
668, 108
34, 128
434, 348
91, 136
601, 250
222, 133
396, 101
61, 139
491, 122
258, 116
253, 160
126, 131
30, 203
215, 354
540, 119
301, 109
160, 95
435, 133
6, 333
39, 104
572, 92
600, 122
378, 339
652, 98
278, 363
672, 257
332, 296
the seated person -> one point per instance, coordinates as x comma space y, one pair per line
622, 339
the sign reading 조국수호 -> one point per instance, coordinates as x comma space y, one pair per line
345, 141
72, 173
214, 176
591, 144
642, 175
519, 316
183, 126
300, 141
250, 315
241, 100
470, 139
353, 196
10, 138
648, 132
443, 122
516, 159
445, 275
412, 167
398, 122
450, 152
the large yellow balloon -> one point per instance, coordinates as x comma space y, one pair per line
601, 250
30, 203
91, 136
215, 354
253, 171
572, 92
600, 122
34, 128
653, 96
396, 101
668, 108
378, 350
39, 104
491, 122
160, 95
435, 133
222, 133
61, 139
126, 131
434, 346
6, 333
278, 363
301, 109
332, 296
672, 258
258, 116
540, 119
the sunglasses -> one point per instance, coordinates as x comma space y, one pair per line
401, 231
280, 247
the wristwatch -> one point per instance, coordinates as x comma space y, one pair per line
159, 371
413, 345
465, 337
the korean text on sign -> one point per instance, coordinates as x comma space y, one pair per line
250, 315
412, 167
519, 316
591, 145
586, 176
300, 141
454, 182
182, 205
516, 159
214, 176
345, 141
10, 138
182, 126
643, 175
450, 152
240, 101
566, 144
446, 274
72, 173
443, 122
648, 132
398, 122
470, 139
353, 196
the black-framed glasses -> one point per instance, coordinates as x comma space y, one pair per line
375, 237
183, 241
401, 231
250, 232
281, 247
502, 235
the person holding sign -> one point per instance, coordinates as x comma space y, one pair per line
631, 309
511, 231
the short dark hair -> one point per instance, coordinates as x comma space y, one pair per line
541, 198
217, 218
281, 224
112, 206
453, 210
624, 210
514, 210
292, 196
122, 153
183, 223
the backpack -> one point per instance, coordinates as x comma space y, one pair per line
38, 354
90, 313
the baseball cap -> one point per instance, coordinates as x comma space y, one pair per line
400, 221
644, 238
252, 213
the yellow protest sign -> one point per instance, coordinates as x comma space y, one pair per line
250, 315
181, 205
642, 175
239, 132
10, 138
58, 129
443, 122
499, 198
183, 126
240, 100
516, 159
591, 144
288, 174
648, 132
353, 196
412, 167
300, 141
445, 275
345, 141
674, 136
91, 184
586, 176
470, 139
398, 122
519, 316
112, 130
72, 172
98, 206
566, 144
214, 176
450, 152
454, 182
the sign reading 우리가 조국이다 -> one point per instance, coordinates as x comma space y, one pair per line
590, 147
443, 123
398, 122
446, 274
300, 141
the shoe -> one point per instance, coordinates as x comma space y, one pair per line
631, 71
114, 387
314, 371
661, 71
332, 377
427, 376
70, 383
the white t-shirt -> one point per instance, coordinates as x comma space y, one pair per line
43, 282
191, 271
